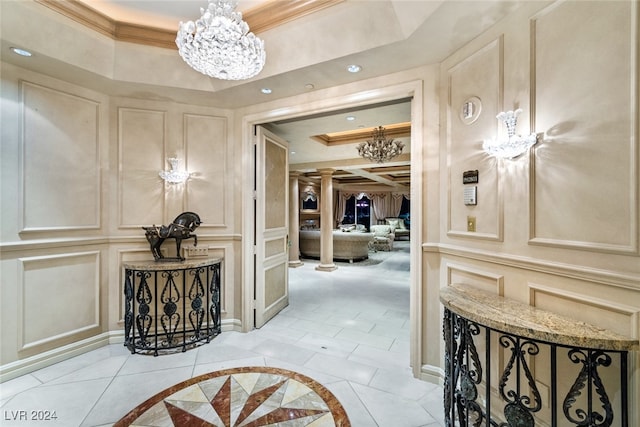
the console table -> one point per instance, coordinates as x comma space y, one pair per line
510, 364
170, 305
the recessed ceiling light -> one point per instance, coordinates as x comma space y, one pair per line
21, 52
353, 68
309, 86
351, 118
265, 90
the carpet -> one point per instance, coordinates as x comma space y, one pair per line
242, 397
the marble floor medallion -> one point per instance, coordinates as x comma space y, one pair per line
242, 397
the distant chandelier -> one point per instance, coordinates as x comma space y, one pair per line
380, 149
512, 146
219, 43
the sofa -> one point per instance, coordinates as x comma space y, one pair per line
347, 245
399, 227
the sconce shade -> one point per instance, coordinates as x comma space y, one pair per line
512, 146
174, 176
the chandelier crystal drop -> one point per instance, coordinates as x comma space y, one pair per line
219, 43
514, 145
380, 149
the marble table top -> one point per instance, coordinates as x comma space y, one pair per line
524, 320
153, 265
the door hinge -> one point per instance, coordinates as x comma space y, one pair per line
253, 304
255, 195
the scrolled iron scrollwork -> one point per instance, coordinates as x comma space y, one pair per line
143, 319
449, 344
587, 378
170, 295
170, 308
128, 299
521, 406
514, 399
463, 371
195, 294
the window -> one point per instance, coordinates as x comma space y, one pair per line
358, 211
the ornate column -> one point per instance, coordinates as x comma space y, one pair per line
326, 221
294, 220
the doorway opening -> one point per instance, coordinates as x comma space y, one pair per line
410, 90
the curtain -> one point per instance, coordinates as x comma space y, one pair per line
396, 204
383, 205
341, 205
379, 205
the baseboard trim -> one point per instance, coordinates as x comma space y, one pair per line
22, 367
25, 366
432, 374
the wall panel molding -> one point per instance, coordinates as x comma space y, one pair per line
207, 193
489, 281
607, 277
631, 313
589, 153
49, 282
60, 148
480, 75
142, 137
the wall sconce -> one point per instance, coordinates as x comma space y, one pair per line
514, 145
174, 176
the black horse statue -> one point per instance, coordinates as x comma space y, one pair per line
180, 229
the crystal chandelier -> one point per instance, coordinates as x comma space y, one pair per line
380, 149
174, 176
219, 43
514, 145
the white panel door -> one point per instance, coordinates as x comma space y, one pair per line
272, 226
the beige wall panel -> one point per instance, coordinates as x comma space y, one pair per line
274, 285
584, 76
477, 278
49, 291
141, 138
275, 191
478, 76
206, 152
607, 314
274, 247
60, 156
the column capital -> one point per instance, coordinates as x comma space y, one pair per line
326, 171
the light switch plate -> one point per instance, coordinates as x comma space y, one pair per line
471, 223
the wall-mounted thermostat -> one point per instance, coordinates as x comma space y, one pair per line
470, 195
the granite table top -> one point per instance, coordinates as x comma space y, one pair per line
152, 265
517, 318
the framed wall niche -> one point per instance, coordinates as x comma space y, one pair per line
309, 200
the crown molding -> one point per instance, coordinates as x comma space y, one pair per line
260, 18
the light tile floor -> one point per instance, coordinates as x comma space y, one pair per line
347, 329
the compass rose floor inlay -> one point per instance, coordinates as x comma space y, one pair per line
242, 397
